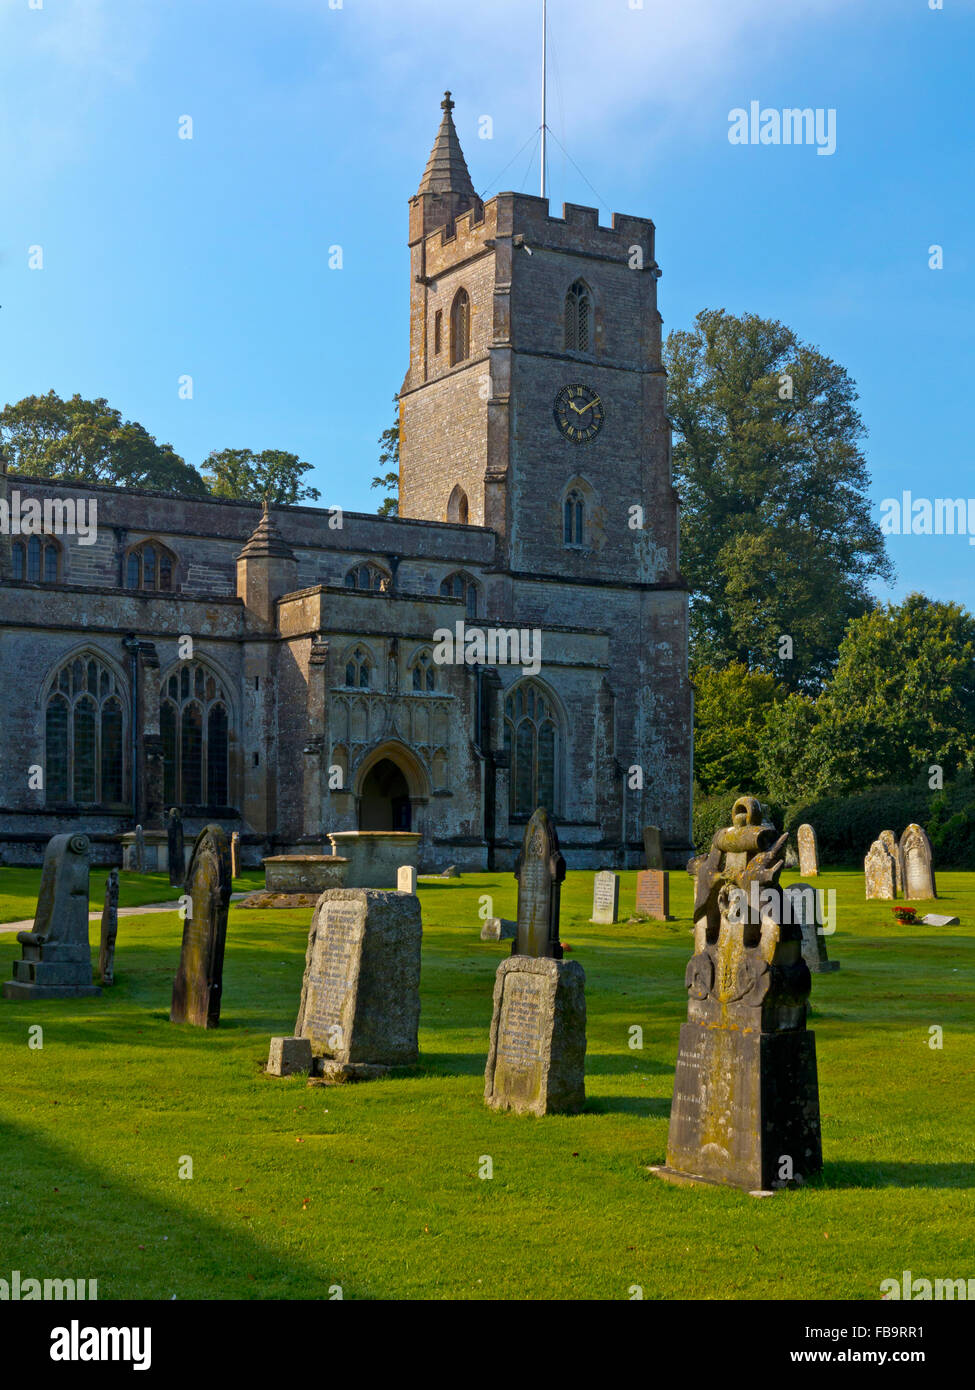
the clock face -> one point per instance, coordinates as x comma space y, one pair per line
579, 413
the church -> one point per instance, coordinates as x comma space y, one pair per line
283, 672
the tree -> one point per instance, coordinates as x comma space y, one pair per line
731, 707
777, 541
271, 474
88, 441
389, 454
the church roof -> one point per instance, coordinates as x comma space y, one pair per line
266, 539
446, 170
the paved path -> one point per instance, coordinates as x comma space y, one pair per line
28, 922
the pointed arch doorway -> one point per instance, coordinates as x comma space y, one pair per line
384, 801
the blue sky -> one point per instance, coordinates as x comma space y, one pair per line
311, 127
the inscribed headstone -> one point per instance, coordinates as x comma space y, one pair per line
406, 878
879, 872
198, 986
808, 851
653, 893
804, 904
889, 840
537, 1053
915, 848
540, 870
653, 847
56, 954
360, 997
605, 897
106, 954
499, 929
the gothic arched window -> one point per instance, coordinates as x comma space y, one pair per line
194, 720
460, 328
531, 736
84, 730
358, 669
578, 317
424, 673
457, 506
367, 576
461, 586
37, 560
150, 565
573, 517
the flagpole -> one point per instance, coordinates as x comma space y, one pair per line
544, 85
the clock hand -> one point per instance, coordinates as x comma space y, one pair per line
576, 408
589, 406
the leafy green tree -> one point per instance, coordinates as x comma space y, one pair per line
796, 755
731, 707
777, 541
389, 458
272, 474
88, 441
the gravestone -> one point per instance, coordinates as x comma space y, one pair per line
879, 872
499, 929
235, 854
406, 878
106, 954
653, 847
139, 850
804, 904
537, 1053
808, 851
605, 897
653, 894
915, 849
289, 1056
934, 919
745, 1111
540, 870
198, 986
175, 846
360, 997
889, 840
56, 954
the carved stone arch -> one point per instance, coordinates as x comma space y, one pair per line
458, 506
391, 782
83, 651
152, 559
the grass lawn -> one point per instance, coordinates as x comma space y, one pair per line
376, 1187
18, 891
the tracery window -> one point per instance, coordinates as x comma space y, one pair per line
150, 565
423, 672
573, 518
461, 586
358, 669
531, 736
37, 559
194, 720
84, 735
578, 317
367, 576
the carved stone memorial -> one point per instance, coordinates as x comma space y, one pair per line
56, 954
605, 897
745, 1111
499, 929
360, 998
235, 854
805, 905
889, 840
653, 894
175, 851
653, 847
808, 851
537, 1053
406, 878
198, 986
106, 953
879, 873
918, 862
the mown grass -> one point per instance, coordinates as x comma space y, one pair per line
376, 1188
18, 890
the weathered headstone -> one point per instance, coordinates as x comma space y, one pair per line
198, 986
139, 850
499, 929
653, 893
106, 953
605, 897
406, 878
879, 872
808, 851
537, 1054
451, 871
175, 846
934, 919
889, 840
289, 1056
56, 954
540, 870
360, 998
804, 904
653, 847
915, 848
235, 854
746, 1100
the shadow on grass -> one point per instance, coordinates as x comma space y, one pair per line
894, 1174
647, 1107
